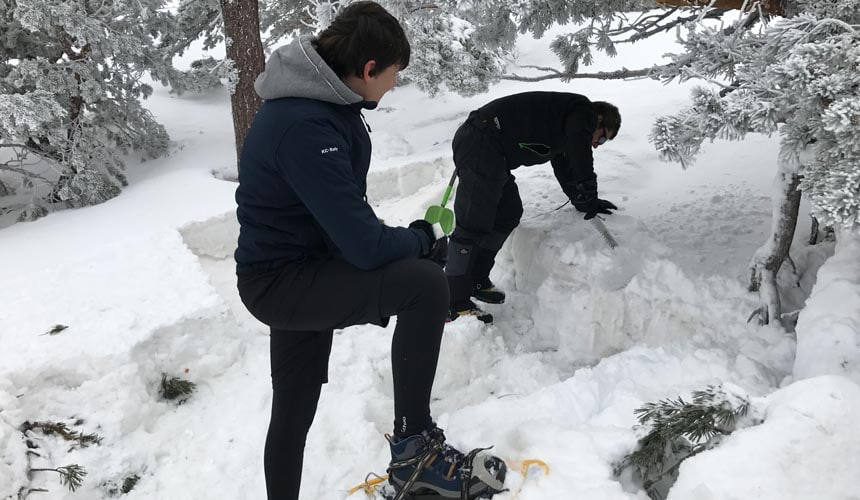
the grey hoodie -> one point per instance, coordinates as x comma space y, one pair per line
297, 70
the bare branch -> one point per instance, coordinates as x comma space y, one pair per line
429, 6
643, 20
622, 74
647, 30
542, 68
695, 74
21, 171
713, 14
776, 7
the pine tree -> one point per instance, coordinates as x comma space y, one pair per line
795, 75
458, 44
799, 77
70, 95
445, 53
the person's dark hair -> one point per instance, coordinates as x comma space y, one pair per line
611, 115
361, 32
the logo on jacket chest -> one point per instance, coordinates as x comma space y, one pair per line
328, 150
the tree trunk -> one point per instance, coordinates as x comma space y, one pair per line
245, 49
769, 258
776, 7
76, 109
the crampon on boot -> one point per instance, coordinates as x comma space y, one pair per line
425, 467
486, 291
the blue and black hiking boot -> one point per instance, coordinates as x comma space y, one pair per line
486, 291
425, 467
469, 308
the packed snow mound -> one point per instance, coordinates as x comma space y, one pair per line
828, 329
574, 296
117, 396
570, 295
807, 447
111, 299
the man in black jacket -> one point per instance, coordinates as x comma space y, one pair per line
517, 130
313, 257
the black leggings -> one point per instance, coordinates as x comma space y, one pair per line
303, 303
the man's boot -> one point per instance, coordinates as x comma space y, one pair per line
483, 289
426, 466
461, 282
469, 309
460, 303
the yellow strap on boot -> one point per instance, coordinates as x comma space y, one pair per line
524, 470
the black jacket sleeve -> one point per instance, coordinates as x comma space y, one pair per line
574, 168
314, 159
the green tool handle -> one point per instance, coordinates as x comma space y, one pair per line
448, 189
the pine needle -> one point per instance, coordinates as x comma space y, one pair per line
62, 430
71, 476
55, 329
174, 388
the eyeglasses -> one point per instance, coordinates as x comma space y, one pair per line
602, 140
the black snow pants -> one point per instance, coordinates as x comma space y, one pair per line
302, 303
487, 207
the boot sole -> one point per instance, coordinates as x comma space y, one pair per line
488, 321
432, 495
425, 493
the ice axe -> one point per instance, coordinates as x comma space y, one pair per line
438, 214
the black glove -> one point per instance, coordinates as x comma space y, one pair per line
439, 252
595, 206
438, 246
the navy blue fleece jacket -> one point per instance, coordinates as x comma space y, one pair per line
303, 172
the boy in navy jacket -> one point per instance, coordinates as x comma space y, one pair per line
313, 257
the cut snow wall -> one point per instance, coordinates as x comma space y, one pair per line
828, 328
571, 294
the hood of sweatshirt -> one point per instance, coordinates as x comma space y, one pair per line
297, 70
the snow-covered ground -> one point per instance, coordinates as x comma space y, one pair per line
145, 285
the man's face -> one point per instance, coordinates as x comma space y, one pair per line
601, 135
382, 82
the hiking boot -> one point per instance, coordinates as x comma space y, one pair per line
469, 309
425, 466
485, 291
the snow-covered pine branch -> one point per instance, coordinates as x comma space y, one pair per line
70, 92
460, 44
798, 77
801, 77
679, 429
